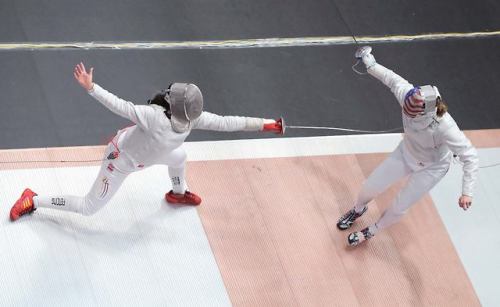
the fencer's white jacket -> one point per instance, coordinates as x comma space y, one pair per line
430, 139
152, 136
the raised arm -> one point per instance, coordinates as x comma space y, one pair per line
397, 84
210, 121
137, 114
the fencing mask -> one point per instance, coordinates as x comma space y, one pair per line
421, 100
186, 104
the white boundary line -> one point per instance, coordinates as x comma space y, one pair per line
291, 147
271, 147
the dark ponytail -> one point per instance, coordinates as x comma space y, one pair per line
159, 99
442, 108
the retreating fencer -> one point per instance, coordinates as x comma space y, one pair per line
156, 138
431, 139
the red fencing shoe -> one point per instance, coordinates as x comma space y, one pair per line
187, 198
23, 205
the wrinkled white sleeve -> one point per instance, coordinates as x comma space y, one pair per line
398, 85
139, 114
460, 145
210, 121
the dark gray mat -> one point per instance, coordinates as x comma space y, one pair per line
41, 105
117, 20
395, 17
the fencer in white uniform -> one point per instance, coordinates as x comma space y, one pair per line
156, 137
430, 141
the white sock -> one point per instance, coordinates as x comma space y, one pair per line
178, 180
373, 229
65, 203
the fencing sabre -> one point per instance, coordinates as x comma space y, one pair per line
285, 126
361, 52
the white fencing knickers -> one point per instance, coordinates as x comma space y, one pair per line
391, 170
111, 176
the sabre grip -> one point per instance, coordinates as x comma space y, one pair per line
364, 54
362, 51
277, 126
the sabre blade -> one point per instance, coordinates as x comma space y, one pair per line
344, 129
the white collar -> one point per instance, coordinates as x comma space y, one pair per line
157, 107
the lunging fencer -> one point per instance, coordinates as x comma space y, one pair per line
431, 138
156, 137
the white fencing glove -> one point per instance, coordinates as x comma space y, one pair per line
363, 53
369, 60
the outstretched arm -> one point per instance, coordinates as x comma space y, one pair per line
137, 114
210, 121
83, 77
397, 84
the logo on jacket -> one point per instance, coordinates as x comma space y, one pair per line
113, 155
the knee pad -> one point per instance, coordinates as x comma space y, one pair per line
177, 158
